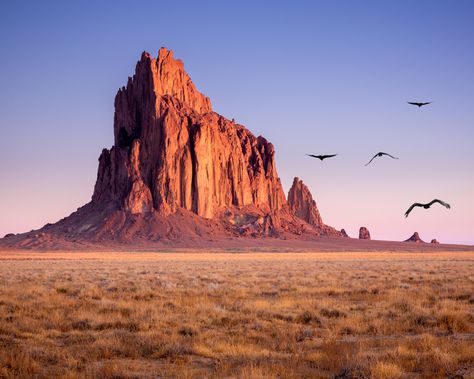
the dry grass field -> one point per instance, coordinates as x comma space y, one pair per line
248, 315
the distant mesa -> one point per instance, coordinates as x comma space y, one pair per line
435, 241
415, 238
364, 233
180, 174
344, 233
8, 235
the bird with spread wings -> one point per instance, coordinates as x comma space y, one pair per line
379, 154
321, 157
426, 206
419, 105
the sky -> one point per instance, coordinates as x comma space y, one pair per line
317, 77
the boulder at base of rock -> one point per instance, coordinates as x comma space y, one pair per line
434, 240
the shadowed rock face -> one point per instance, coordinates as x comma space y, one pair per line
171, 151
435, 241
415, 238
302, 204
344, 233
364, 233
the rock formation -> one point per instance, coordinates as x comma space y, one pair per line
344, 233
435, 241
180, 172
171, 151
364, 233
415, 238
302, 204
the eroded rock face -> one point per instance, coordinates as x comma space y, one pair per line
415, 238
364, 233
344, 233
171, 151
301, 203
435, 241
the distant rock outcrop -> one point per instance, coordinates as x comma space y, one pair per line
344, 233
435, 241
180, 173
364, 233
415, 238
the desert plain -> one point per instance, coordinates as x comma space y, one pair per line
198, 314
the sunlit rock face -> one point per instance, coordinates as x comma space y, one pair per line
301, 203
172, 151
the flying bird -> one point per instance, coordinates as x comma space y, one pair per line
379, 154
426, 206
419, 105
321, 156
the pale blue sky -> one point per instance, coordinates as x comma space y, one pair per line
312, 77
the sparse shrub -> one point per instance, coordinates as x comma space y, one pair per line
130, 326
62, 290
304, 334
332, 313
452, 323
187, 331
386, 370
346, 331
305, 318
402, 306
81, 325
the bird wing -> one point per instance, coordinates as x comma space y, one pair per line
429, 102
391, 156
411, 208
441, 202
311, 155
371, 159
409, 102
328, 156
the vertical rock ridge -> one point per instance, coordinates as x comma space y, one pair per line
302, 204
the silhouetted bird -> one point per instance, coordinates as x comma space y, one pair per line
426, 206
321, 156
379, 155
419, 105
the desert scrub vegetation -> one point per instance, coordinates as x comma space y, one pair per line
253, 315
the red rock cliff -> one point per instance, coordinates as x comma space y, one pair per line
172, 151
